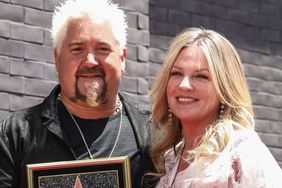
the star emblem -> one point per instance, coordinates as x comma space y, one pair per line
77, 183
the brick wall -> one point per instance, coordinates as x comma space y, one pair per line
254, 27
134, 80
27, 72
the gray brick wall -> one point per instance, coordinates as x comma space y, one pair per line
27, 72
255, 29
135, 79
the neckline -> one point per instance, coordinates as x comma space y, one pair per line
89, 112
82, 136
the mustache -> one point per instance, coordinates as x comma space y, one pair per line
96, 70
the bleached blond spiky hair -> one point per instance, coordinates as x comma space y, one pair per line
97, 11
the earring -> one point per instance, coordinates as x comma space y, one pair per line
169, 115
221, 111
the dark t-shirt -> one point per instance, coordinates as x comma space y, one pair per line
101, 136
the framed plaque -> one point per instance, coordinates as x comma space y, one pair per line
111, 172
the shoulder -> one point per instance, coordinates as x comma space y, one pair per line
249, 147
31, 116
131, 103
246, 142
17, 129
20, 119
243, 137
254, 160
46, 109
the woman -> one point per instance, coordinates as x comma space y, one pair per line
204, 118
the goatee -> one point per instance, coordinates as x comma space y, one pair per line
94, 91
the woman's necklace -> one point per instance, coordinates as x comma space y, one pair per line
118, 109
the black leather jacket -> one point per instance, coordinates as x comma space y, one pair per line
34, 135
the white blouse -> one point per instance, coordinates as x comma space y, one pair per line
245, 163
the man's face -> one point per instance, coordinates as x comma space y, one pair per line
89, 64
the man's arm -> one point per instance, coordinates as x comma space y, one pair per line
8, 172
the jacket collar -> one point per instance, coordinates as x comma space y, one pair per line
49, 109
138, 115
49, 115
135, 111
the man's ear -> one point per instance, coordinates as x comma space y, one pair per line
122, 57
56, 57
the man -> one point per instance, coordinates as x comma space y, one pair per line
84, 116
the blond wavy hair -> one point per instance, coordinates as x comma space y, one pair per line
231, 88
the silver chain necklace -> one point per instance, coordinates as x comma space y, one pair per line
119, 108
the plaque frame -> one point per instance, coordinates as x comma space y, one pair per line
113, 171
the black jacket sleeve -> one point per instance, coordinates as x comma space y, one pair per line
9, 175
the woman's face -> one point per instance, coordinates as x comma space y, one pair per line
190, 90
